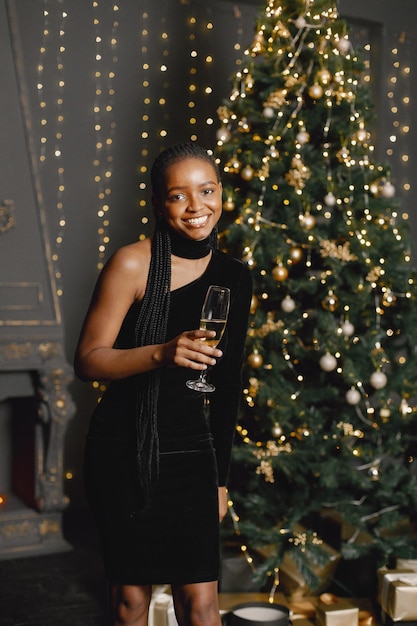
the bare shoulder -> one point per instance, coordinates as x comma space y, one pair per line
129, 266
133, 256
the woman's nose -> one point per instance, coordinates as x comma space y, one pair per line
195, 204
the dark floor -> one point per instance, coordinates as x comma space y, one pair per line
66, 589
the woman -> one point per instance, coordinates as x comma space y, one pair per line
157, 458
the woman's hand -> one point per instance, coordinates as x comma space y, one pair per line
222, 503
189, 350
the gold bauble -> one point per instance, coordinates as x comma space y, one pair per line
324, 76
388, 298
308, 221
255, 359
374, 473
385, 414
279, 273
247, 172
276, 430
315, 91
296, 254
228, 204
330, 302
343, 154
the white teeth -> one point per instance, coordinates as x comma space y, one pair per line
196, 221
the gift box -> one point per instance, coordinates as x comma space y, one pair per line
333, 611
409, 564
161, 608
237, 576
291, 580
306, 609
397, 594
386, 620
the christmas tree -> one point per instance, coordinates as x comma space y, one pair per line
327, 428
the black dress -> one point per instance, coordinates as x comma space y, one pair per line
176, 539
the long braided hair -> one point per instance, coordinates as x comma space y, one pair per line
151, 325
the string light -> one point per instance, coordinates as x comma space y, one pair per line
145, 129
51, 114
399, 110
104, 121
192, 71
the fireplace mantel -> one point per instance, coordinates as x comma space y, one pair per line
35, 405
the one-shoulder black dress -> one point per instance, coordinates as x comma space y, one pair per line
175, 540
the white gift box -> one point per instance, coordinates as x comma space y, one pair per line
398, 594
161, 609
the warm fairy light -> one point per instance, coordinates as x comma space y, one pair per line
104, 123
149, 78
51, 59
399, 107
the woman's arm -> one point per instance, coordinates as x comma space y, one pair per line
122, 281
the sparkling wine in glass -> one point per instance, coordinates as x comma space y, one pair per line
213, 317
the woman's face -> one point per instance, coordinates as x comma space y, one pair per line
191, 200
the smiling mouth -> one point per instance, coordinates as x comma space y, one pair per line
198, 221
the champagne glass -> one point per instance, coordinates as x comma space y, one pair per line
213, 317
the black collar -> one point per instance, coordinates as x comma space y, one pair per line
188, 248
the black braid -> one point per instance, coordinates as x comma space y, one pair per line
152, 321
151, 329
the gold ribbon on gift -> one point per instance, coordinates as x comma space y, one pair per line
398, 595
334, 611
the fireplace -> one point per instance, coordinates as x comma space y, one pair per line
35, 405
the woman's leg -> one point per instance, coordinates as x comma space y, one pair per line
197, 604
130, 604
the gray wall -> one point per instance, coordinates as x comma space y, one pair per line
78, 258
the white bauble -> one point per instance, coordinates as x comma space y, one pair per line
223, 134
288, 304
269, 112
388, 190
303, 137
328, 362
347, 328
329, 199
378, 380
300, 22
353, 396
343, 45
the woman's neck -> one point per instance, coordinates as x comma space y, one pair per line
188, 248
